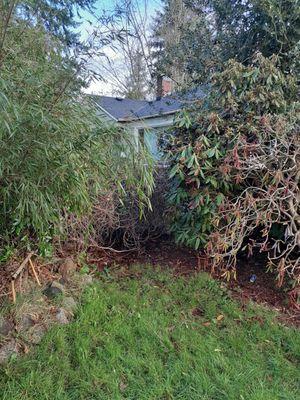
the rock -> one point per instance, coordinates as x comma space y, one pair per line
36, 334
8, 350
62, 316
6, 326
58, 285
68, 268
25, 322
55, 289
69, 304
62, 281
52, 292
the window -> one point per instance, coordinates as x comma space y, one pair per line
150, 139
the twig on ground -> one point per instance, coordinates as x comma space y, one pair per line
111, 249
13, 290
34, 272
22, 266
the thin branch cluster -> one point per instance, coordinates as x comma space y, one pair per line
269, 172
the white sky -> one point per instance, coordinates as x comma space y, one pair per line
100, 86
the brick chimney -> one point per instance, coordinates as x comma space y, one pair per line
164, 87
167, 86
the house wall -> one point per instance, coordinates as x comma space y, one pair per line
148, 124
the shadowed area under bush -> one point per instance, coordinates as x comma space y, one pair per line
150, 336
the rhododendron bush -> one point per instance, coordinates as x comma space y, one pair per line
235, 169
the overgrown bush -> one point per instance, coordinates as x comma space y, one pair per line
118, 225
235, 169
56, 157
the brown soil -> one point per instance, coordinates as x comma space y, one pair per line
183, 262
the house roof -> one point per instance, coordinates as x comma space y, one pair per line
117, 107
165, 105
125, 110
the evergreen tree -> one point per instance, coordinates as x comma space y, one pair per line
59, 17
135, 81
167, 38
242, 28
213, 31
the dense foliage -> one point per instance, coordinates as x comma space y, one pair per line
235, 168
58, 17
193, 38
56, 157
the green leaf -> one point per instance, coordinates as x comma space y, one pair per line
219, 199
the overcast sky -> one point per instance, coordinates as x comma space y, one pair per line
98, 86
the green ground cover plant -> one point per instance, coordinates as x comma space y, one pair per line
150, 336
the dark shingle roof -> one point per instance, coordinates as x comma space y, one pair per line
117, 107
127, 109
165, 105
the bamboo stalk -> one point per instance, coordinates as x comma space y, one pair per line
34, 272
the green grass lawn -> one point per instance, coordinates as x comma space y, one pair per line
142, 338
